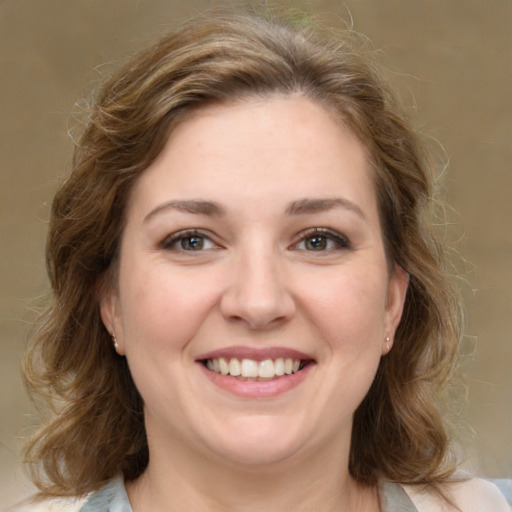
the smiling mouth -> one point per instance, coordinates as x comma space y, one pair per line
253, 370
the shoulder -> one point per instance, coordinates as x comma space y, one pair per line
56, 505
112, 496
472, 495
476, 494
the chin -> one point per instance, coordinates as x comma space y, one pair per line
252, 456
259, 442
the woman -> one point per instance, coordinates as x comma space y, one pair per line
250, 308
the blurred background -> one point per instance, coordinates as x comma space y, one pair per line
450, 60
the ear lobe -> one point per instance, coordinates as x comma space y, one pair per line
110, 316
397, 291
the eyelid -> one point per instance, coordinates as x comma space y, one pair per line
341, 240
173, 238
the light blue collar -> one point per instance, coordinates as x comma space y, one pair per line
113, 498
110, 498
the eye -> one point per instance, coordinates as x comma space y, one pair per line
321, 240
189, 240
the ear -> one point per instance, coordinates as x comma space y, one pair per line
397, 291
111, 317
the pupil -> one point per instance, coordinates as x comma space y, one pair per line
316, 242
192, 242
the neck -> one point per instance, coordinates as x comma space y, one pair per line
176, 481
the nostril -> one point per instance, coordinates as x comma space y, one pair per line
257, 318
257, 297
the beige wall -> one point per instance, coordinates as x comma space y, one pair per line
452, 60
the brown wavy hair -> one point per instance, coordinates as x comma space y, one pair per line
97, 429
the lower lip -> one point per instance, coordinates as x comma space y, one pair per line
257, 389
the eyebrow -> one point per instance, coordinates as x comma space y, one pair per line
306, 206
300, 207
195, 206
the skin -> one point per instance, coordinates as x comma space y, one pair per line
260, 281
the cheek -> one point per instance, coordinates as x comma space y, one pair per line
162, 310
161, 314
348, 309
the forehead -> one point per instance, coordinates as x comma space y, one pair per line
277, 148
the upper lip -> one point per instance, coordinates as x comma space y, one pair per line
257, 354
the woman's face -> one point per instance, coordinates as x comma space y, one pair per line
252, 245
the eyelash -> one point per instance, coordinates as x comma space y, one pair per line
325, 235
341, 241
180, 236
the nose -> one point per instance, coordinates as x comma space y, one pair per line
256, 293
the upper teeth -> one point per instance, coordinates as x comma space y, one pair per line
248, 368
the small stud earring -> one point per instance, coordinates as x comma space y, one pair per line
116, 345
388, 343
